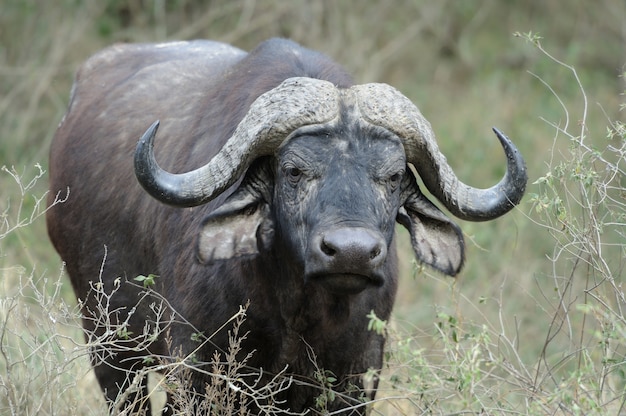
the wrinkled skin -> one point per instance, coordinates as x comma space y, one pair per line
322, 211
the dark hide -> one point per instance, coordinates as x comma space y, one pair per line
306, 238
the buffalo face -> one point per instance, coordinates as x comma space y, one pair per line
337, 194
329, 199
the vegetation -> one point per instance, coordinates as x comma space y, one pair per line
535, 323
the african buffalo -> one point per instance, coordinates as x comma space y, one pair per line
289, 181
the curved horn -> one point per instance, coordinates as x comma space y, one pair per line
271, 118
383, 105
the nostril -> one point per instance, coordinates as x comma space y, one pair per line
328, 250
375, 253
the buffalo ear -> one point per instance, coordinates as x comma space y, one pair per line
241, 226
436, 240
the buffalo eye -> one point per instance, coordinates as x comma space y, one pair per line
292, 173
395, 179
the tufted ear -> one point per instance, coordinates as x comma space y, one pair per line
436, 240
241, 226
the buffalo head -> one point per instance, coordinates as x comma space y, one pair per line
327, 176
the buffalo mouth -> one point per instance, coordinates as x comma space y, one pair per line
347, 283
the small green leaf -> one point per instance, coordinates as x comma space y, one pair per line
147, 281
197, 336
124, 333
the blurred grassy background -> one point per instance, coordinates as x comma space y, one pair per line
457, 60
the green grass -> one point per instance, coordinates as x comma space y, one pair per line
534, 324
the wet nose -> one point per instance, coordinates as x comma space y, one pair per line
352, 250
